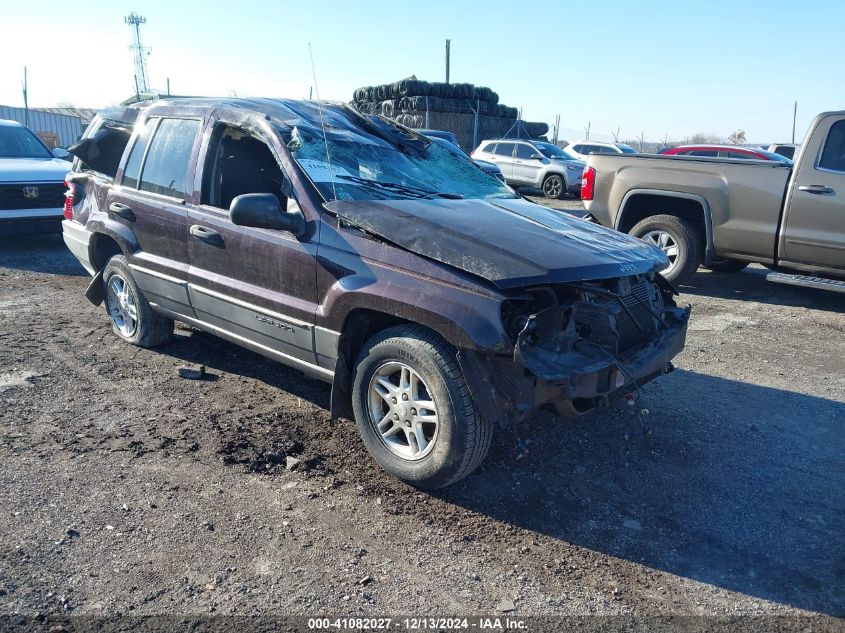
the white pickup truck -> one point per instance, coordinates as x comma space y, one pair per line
32, 189
726, 213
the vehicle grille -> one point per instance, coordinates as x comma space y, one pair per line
638, 304
50, 195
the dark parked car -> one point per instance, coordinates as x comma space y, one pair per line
434, 300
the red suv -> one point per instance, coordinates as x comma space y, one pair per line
723, 151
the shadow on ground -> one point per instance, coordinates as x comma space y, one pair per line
199, 348
38, 253
739, 486
751, 285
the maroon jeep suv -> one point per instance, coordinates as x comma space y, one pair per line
435, 301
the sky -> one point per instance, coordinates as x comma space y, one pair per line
661, 69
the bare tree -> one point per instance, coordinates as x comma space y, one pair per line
703, 137
737, 137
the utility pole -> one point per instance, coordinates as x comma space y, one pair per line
794, 116
168, 86
557, 129
616, 136
642, 137
448, 43
26, 100
588, 131
142, 79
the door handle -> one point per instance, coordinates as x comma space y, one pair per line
817, 189
207, 235
121, 210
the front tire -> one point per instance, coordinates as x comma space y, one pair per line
554, 187
132, 318
414, 410
678, 238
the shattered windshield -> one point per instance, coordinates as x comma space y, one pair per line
364, 165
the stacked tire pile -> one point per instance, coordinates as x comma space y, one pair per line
442, 106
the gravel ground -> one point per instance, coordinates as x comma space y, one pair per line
125, 489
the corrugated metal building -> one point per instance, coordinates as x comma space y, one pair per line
57, 130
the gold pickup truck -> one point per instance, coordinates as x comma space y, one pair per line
726, 213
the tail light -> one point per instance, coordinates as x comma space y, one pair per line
472, 154
588, 183
70, 196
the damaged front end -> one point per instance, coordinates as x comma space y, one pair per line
578, 346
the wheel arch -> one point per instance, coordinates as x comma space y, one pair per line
105, 234
102, 248
359, 326
554, 173
638, 204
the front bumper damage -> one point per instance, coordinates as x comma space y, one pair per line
564, 367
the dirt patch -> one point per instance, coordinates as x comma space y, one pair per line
128, 489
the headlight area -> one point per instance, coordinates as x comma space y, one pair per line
578, 346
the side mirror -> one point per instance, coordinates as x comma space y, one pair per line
263, 211
62, 153
536, 156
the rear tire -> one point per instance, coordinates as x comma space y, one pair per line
678, 238
431, 402
554, 187
727, 265
133, 320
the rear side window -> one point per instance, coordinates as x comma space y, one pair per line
133, 164
504, 149
166, 167
703, 152
738, 155
525, 151
833, 154
489, 148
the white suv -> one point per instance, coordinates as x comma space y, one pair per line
535, 164
32, 190
582, 149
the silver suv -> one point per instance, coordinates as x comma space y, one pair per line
534, 164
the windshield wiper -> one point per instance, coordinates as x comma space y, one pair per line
443, 194
400, 188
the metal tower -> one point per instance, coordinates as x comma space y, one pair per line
142, 80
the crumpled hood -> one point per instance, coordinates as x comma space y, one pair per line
509, 242
33, 169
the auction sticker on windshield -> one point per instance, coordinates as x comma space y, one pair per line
321, 171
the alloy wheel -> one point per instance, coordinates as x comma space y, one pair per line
122, 305
666, 243
552, 187
402, 411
